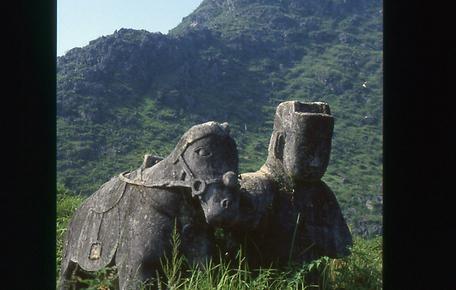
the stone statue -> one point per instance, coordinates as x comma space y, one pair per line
128, 222
288, 214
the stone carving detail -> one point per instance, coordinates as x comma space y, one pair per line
287, 213
129, 220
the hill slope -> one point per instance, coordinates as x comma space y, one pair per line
136, 92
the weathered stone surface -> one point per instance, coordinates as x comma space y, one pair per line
284, 211
285, 198
129, 220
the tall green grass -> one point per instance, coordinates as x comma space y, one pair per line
362, 270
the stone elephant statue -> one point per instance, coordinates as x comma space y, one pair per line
128, 222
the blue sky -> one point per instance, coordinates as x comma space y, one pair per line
80, 21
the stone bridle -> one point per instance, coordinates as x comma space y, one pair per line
196, 184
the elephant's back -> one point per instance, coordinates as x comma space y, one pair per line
260, 189
107, 196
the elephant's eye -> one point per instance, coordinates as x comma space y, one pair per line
201, 151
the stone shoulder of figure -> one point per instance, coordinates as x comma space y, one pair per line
256, 199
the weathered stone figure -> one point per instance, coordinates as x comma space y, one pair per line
129, 220
287, 212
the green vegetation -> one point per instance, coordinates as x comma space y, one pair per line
135, 92
361, 270
67, 203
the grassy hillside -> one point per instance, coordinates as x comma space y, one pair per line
135, 92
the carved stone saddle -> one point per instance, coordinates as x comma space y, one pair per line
101, 232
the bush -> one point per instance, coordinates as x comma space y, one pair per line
67, 203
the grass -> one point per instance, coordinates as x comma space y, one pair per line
362, 270
67, 203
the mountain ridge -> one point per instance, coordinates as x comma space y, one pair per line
135, 92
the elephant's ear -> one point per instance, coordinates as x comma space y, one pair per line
279, 145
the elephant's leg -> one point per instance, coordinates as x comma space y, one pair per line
137, 273
80, 275
66, 273
70, 276
127, 272
138, 258
144, 239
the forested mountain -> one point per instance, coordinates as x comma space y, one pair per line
135, 92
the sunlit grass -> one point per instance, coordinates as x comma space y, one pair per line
360, 271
